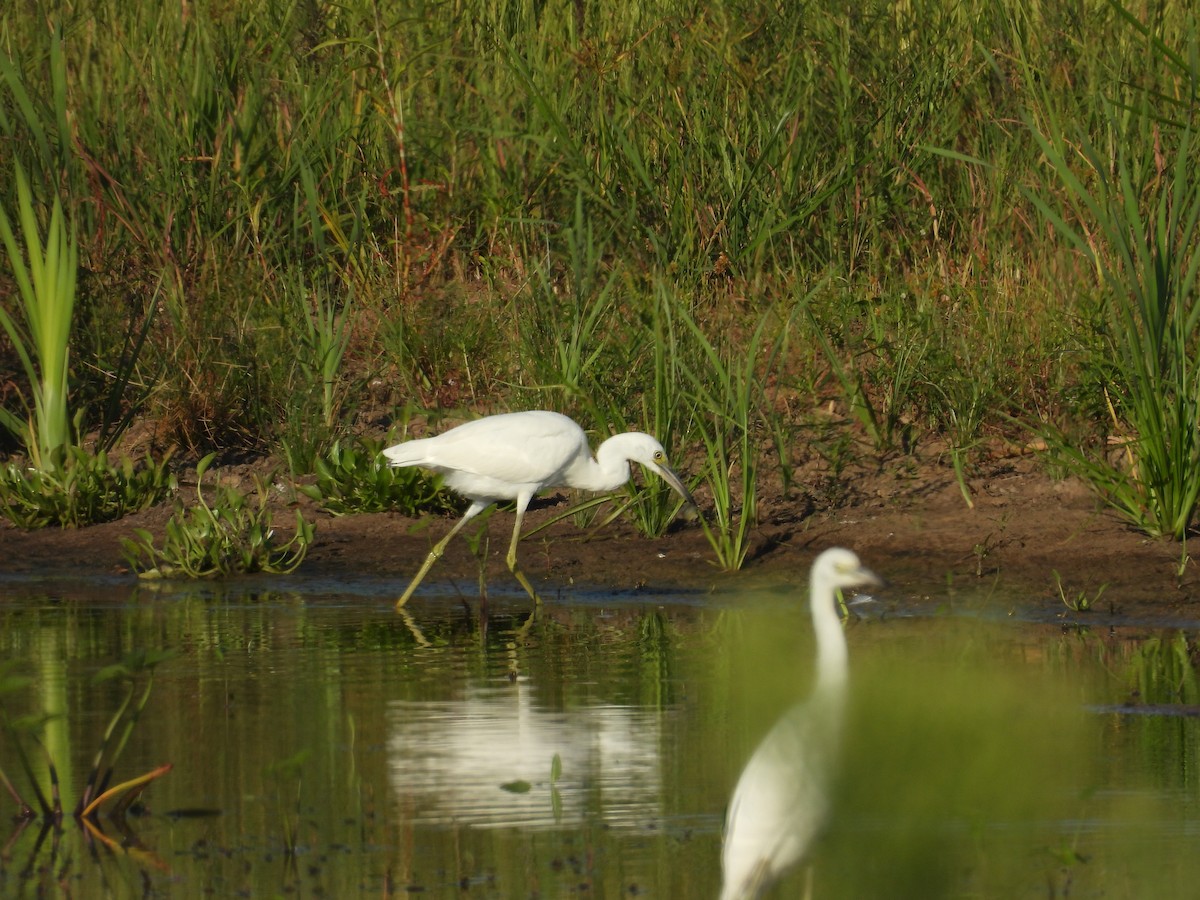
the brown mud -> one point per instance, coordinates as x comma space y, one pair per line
1025, 535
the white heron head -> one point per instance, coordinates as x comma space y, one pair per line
635, 446
839, 568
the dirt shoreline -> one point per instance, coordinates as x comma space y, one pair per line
910, 524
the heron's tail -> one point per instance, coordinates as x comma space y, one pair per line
410, 453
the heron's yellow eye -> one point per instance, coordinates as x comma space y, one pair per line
659, 456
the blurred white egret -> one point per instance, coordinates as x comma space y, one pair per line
781, 799
513, 456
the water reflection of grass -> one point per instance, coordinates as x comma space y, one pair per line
41, 748
24, 735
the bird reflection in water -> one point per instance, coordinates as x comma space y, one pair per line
497, 757
782, 797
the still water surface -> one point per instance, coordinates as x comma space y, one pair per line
324, 745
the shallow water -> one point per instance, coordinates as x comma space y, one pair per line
323, 745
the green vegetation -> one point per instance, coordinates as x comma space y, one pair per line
75, 488
23, 732
46, 284
727, 410
1136, 218
353, 476
1078, 600
964, 225
231, 534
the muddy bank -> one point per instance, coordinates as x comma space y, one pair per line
911, 523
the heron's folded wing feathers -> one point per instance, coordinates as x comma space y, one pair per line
516, 450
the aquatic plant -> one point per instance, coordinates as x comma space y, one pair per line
352, 476
1080, 600
229, 534
73, 487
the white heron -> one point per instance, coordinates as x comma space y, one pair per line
513, 456
781, 798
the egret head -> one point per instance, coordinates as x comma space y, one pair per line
637, 447
840, 568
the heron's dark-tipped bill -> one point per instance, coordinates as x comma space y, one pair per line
688, 511
870, 579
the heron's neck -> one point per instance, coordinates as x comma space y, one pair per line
608, 471
831, 645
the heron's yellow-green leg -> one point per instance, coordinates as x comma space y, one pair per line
512, 557
438, 549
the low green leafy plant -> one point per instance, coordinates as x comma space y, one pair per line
73, 488
353, 477
1078, 600
232, 534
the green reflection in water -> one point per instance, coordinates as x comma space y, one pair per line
591, 751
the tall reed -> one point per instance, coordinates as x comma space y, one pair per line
727, 390
1130, 204
642, 388
45, 275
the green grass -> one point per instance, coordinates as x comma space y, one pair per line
1131, 206
728, 418
336, 212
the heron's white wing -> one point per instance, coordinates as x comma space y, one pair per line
529, 448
